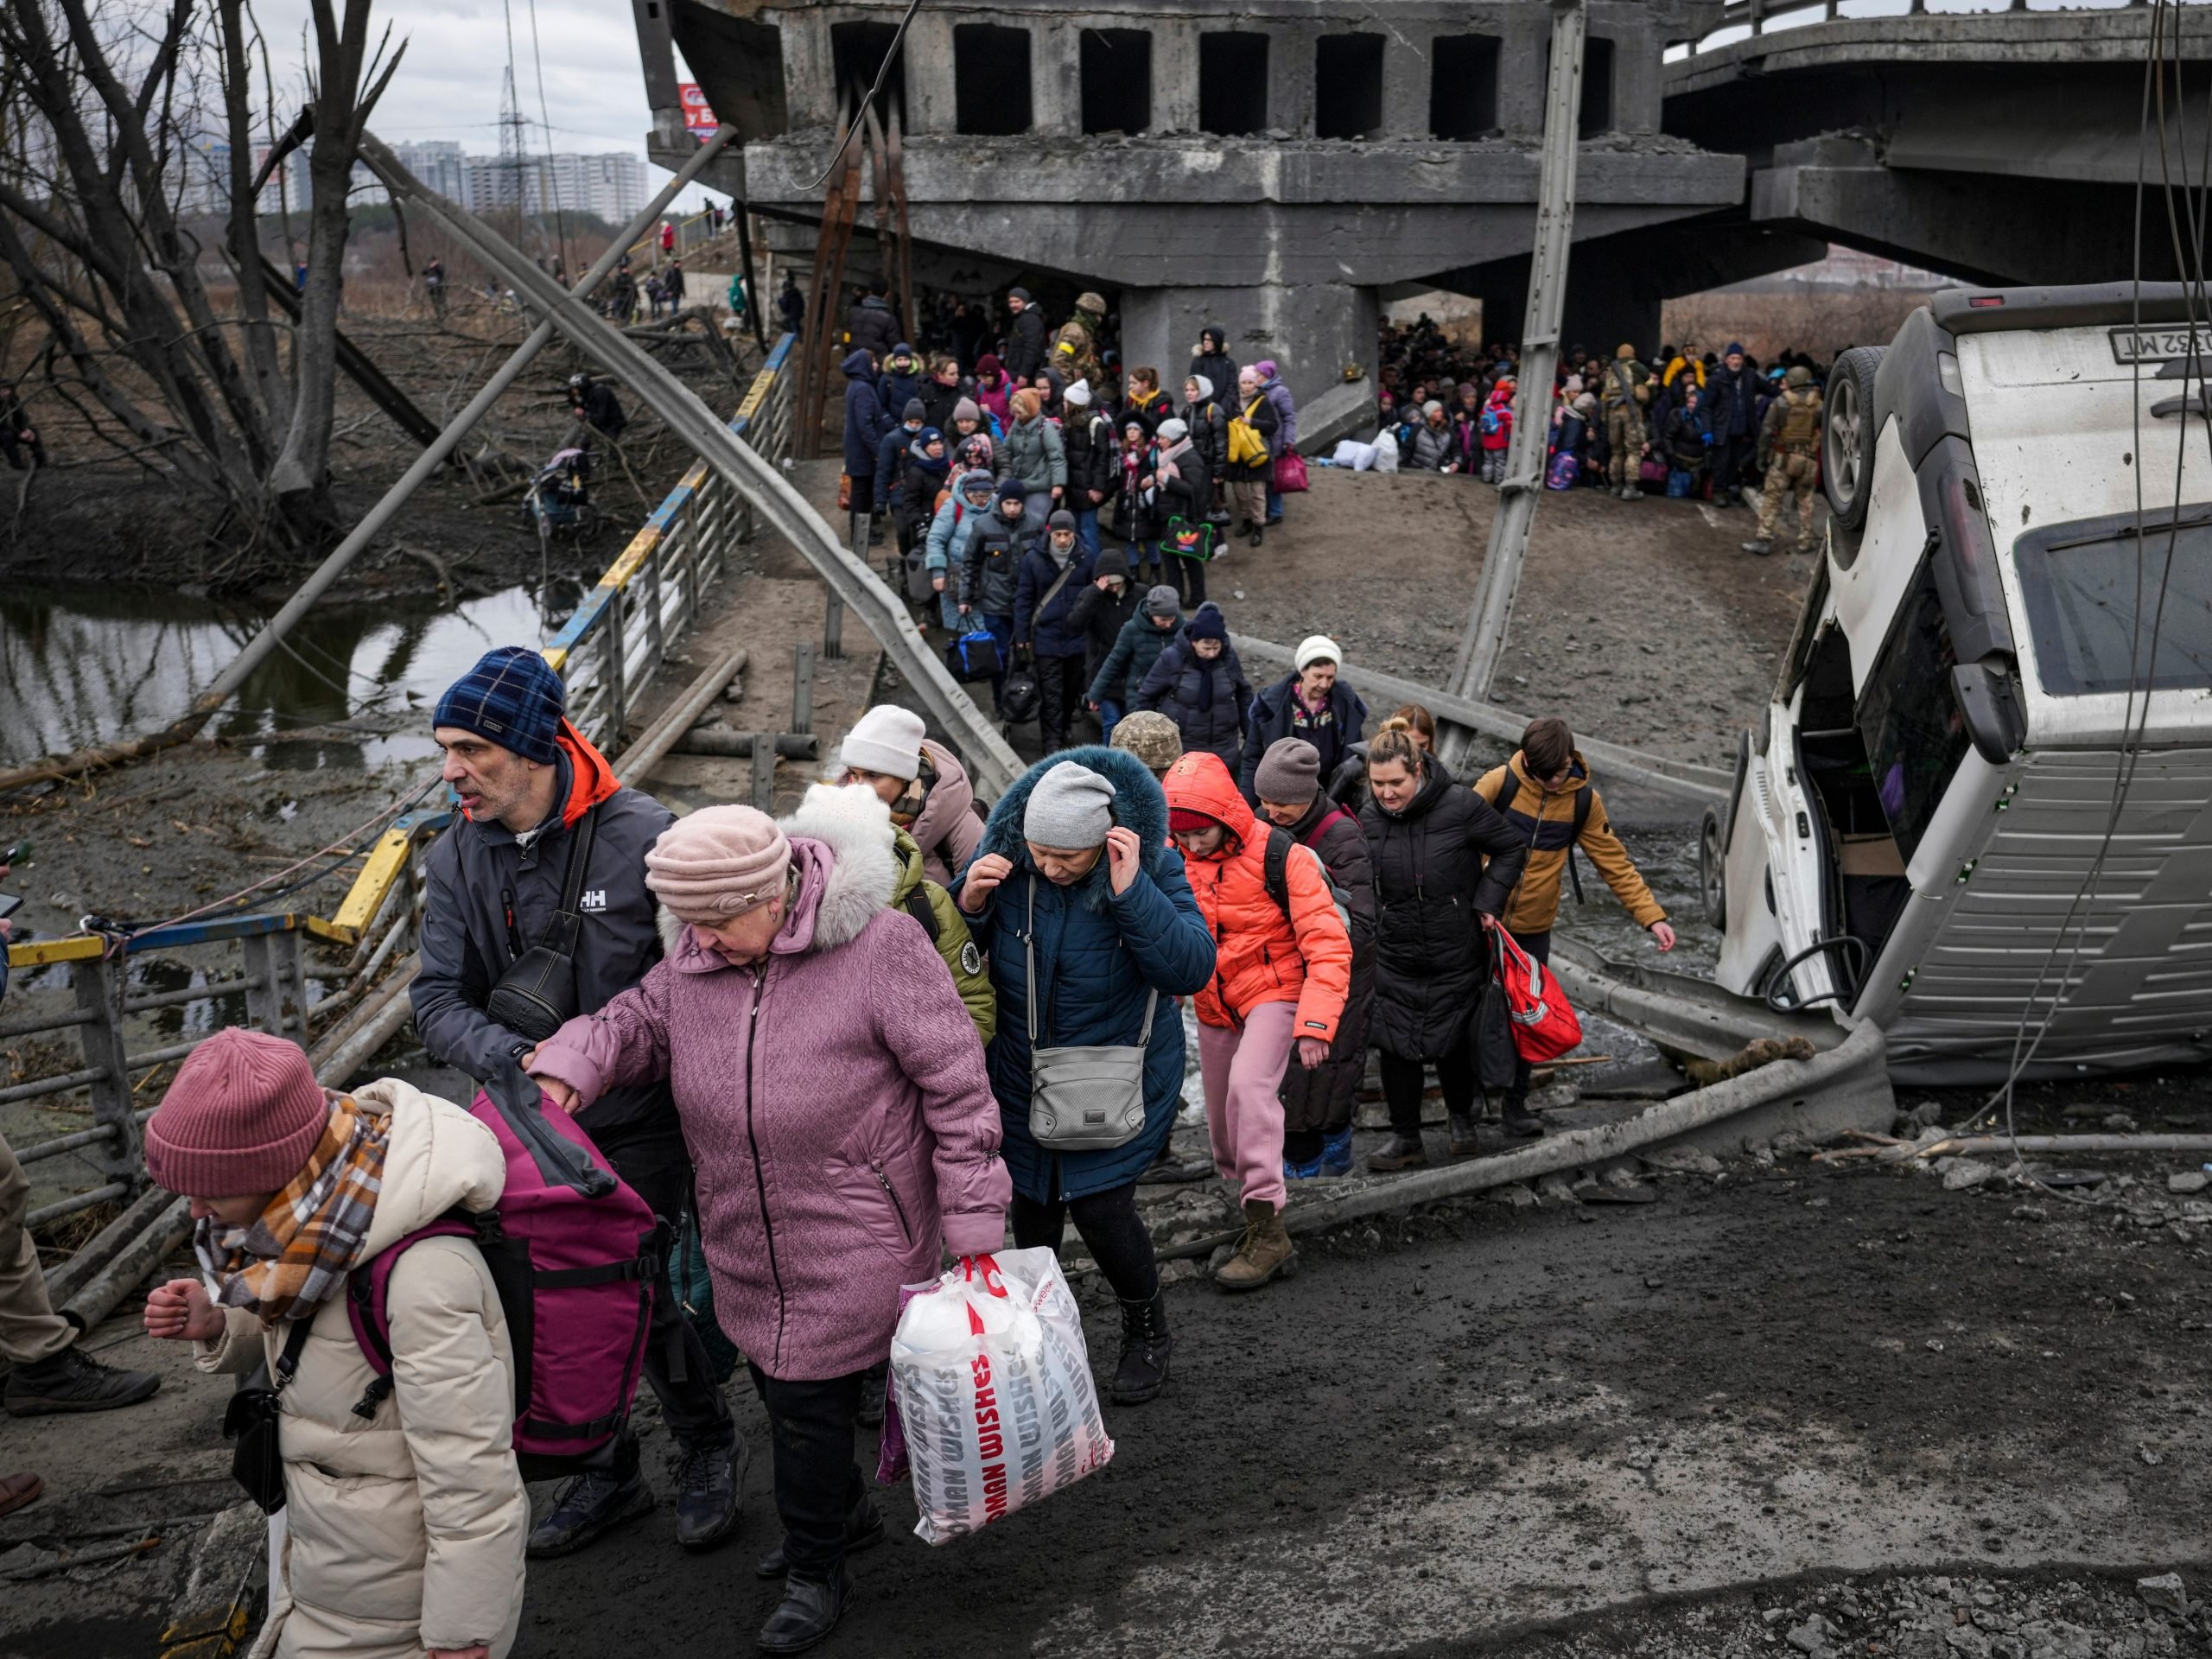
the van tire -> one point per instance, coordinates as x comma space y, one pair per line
1847, 435
1711, 872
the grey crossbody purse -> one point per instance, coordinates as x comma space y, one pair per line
1089, 1098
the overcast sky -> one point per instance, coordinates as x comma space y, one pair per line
448, 85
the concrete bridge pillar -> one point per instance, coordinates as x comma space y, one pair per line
1311, 331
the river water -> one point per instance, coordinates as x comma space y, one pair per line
88, 662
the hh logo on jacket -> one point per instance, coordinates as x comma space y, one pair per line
593, 900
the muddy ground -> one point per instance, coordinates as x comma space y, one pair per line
1783, 1399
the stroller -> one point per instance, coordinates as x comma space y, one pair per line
558, 501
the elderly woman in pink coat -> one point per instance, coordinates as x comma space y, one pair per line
834, 1097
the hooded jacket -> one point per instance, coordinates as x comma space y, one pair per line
866, 422
948, 827
993, 399
1098, 614
1260, 954
1277, 393
1024, 346
946, 549
406, 1531
1278, 712
990, 580
1135, 649
891, 454
1324, 1098
1209, 422
872, 325
1544, 819
1266, 421
1046, 628
1033, 454
1432, 955
1098, 953
467, 944
938, 402
1087, 442
1497, 434
1215, 363
835, 1104
1176, 689
920, 478
899, 388
853, 821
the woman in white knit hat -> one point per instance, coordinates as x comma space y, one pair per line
1309, 703
921, 781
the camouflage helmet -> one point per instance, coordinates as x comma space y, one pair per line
1152, 737
1799, 375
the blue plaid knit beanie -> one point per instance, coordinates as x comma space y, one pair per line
511, 696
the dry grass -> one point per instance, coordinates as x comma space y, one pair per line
1821, 321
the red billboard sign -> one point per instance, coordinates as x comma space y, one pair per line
698, 117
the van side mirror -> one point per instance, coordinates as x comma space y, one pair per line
1988, 695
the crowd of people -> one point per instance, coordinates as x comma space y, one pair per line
1720, 428
825, 1048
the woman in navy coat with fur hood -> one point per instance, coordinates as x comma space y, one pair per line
1083, 836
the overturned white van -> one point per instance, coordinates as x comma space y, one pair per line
1981, 798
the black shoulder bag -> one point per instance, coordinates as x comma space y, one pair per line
257, 1461
537, 994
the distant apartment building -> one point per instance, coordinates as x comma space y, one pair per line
609, 187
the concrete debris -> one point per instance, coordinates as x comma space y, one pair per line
1964, 1173
2120, 1124
1683, 1160
1513, 1196
2188, 1180
1554, 1097
2164, 1593
1815, 1635
1556, 1189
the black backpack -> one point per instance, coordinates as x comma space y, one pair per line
1276, 872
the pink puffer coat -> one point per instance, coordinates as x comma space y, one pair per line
835, 1105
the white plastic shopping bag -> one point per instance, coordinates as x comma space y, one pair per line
993, 1391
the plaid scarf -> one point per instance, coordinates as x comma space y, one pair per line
296, 1254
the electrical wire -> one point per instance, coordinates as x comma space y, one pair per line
545, 114
882, 74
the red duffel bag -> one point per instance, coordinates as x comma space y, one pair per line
1544, 1024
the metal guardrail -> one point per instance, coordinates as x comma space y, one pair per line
1754, 17
609, 653
690, 233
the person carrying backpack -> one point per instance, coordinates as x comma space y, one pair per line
1790, 456
1282, 967
1318, 1103
1496, 426
1623, 396
405, 1528
945, 548
1545, 796
832, 1088
1114, 688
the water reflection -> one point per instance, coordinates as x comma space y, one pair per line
84, 663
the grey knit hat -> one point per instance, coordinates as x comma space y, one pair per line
1290, 771
1070, 808
1162, 600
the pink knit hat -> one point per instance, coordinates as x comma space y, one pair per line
241, 1119
718, 863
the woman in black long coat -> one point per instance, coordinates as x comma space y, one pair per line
1445, 865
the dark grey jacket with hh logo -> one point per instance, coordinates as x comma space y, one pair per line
467, 946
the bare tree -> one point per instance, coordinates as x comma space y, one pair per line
101, 108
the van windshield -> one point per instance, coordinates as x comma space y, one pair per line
2092, 590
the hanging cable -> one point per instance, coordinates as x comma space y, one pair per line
882, 75
552, 170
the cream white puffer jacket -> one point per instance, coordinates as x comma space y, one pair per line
406, 1532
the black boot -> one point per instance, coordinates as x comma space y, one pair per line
1517, 1119
863, 1530
1464, 1144
710, 1492
809, 1611
590, 1504
1146, 1345
1403, 1152
73, 1382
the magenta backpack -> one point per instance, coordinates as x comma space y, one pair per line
576, 1255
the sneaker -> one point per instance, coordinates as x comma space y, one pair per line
863, 1530
1761, 546
589, 1504
73, 1382
1401, 1152
874, 1388
1336, 1152
710, 1492
809, 1612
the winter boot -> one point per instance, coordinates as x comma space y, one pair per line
1256, 536
809, 1612
1630, 492
1400, 1152
1263, 1254
1307, 1169
1517, 1119
863, 1530
1145, 1348
709, 1481
1762, 546
1336, 1152
589, 1504
71, 1382
1463, 1135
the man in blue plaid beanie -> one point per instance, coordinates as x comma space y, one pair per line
511, 696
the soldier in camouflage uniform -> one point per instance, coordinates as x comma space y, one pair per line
1790, 451
1622, 394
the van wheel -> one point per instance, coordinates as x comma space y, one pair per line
1847, 435
1712, 876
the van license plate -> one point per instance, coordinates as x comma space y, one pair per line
2159, 344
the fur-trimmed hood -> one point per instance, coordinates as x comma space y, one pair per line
1138, 804
842, 848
